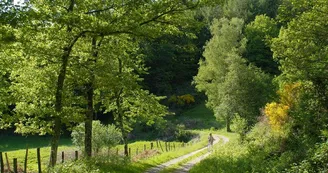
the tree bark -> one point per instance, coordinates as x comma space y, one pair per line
88, 122
58, 109
54, 142
59, 94
228, 122
90, 95
126, 147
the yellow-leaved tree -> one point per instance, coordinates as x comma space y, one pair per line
278, 112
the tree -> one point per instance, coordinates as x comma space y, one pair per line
226, 79
301, 49
249, 9
259, 34
121, 93
49, 37
10, 18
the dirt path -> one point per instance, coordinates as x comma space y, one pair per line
187, 166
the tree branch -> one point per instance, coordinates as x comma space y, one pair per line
99, 10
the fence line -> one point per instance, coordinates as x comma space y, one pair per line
168, 147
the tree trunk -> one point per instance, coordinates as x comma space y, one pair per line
126, 147
228, 121
58, 108
59, 94
54, 142
90, 94
88, 122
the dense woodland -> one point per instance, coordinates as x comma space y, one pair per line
260, 65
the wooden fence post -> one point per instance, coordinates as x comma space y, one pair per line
157, 143
25, 161
161, 146
2, 167
116, 151
144, 147
166, 146
130, 152
39, 159
8, 164
15, 165
151, 145
63, 156
174, 146
76, 155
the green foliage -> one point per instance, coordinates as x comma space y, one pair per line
248, 9
54, 61
259, 34
237, 9
95, 164
302, 52
300, 48
102, 136
226, 79
239, 125
181, 134
315, 162
262, 140
260, 152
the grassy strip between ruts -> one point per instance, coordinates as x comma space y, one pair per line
219, 146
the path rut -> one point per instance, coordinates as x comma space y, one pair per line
186, 167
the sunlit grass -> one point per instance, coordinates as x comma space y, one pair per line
141, 160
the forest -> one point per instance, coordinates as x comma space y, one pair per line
113, 72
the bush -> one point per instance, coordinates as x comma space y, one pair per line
239, 125
315, 162
97, 164
102, 136
183, 135
181, 101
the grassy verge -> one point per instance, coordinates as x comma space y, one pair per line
224, 158
141, 161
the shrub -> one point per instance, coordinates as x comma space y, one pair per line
278, 115
102, 136
181, 101
239, 125
183, 135
96, 164
315, 162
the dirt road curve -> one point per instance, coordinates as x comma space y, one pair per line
186, 167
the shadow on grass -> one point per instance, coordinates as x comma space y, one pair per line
198, 118
11, 143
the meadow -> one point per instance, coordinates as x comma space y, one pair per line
140, 159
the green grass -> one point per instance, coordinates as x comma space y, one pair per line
198, 119
12, 143
233, 137
32, 156
141, 164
